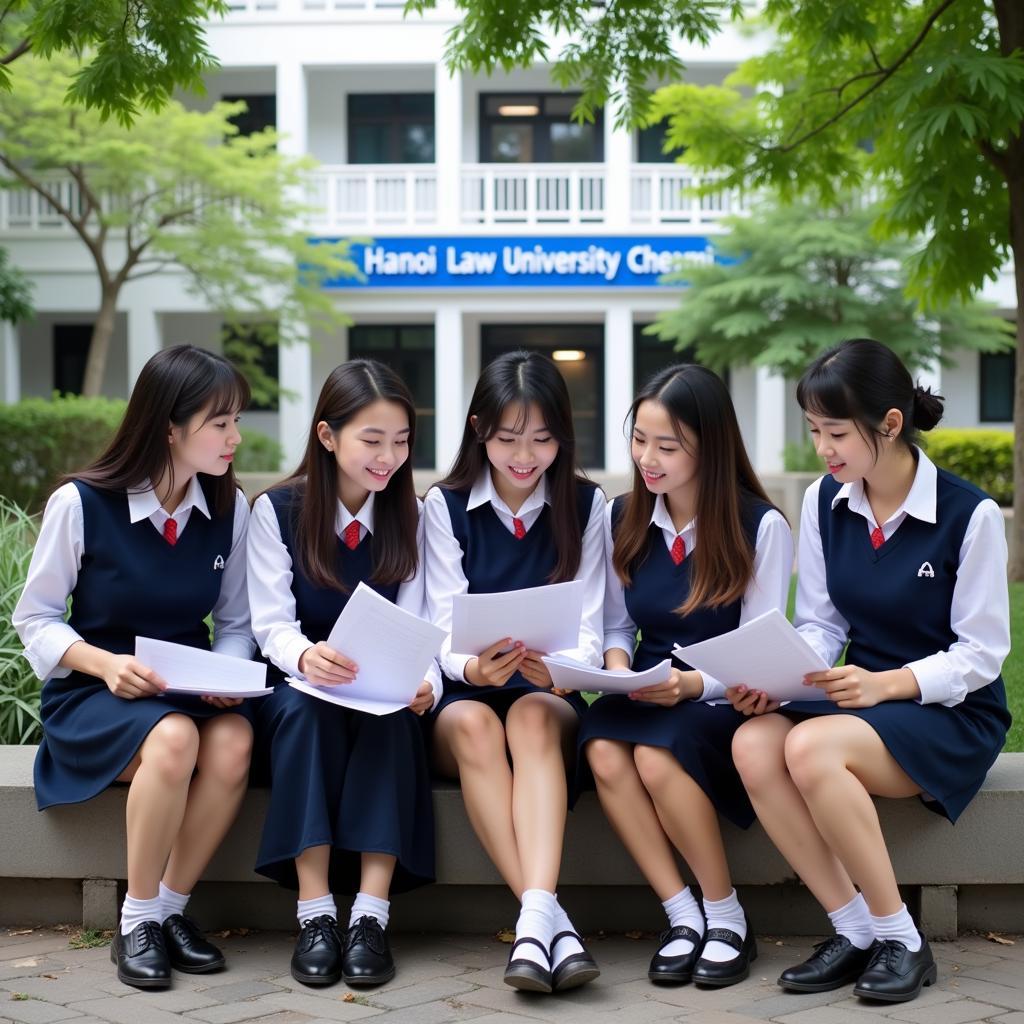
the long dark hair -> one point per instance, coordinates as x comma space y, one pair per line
348, 389
861, 379
173, 386
723, 561
522, 379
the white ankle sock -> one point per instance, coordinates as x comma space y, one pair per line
853, 921
563, 947
134, 912
682, 909
365, 905
172, 902
536, 920
308, 909
725, 913
898, 926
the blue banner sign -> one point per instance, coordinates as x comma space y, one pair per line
530, 261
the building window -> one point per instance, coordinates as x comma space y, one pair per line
997, 372
391, 128
649, 142
254, 349
651, 355
537, 128
579, 352
409, 350
70, 351
260, 112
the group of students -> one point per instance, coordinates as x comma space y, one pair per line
900, 563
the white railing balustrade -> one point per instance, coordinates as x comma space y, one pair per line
532, 194
659, 195
368, 196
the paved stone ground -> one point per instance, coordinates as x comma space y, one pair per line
458, 978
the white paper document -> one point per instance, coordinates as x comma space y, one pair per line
546, 619
766, 653
392, 647
193, 670
570, 674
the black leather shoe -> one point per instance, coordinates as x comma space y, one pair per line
675, 970
718, 975
141, 956
317, 956
895, 974
528, 975
367, 957
834, 963
187, 950
573, 970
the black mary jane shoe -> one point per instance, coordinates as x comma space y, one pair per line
317, 956
834, 963
367, 957
675, 970
528, 975
716, 974
573, 970
141, 956
894, 974
187, 949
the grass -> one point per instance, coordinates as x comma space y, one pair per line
1013, 669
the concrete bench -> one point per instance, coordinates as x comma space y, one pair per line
69, 863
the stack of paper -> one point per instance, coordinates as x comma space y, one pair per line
766, 653
569, 674
193, 670
392, 647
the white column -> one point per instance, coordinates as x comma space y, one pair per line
10, 362
771, 421
448, 144
450, 393
618, 157
291, 108
618, 384
144, 339
296, 405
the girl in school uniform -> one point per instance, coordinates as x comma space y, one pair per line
147, 541
350, 802
695, 549
907, 564
514, 513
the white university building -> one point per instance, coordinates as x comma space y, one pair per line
496, 223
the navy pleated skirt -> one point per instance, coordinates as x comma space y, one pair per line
90, 736
698, 735
499, 698
946, 751
345, 779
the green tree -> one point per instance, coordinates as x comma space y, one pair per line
137, 51
921, 101
15, 293
179, 189
801, 277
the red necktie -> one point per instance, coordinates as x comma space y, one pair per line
517, 525
877, 538
352, 535
171, 532
678, 550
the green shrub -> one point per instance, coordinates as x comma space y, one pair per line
801, 458
982, 456
42, 439
19, 687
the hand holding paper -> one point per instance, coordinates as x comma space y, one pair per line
569, 674
193, 670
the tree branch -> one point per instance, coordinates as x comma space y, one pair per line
1000, 161
20, 50
881, 77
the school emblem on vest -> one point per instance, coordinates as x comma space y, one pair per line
218, 563
926, 570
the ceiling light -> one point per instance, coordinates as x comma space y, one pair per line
519, 110
568, 355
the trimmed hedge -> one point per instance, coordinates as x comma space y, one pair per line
982, 456
41, 439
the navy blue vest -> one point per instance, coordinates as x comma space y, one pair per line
897, 599
133, 583
659, 586
317, 608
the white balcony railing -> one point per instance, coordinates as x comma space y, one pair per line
532, 194
659, 194
364, 197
